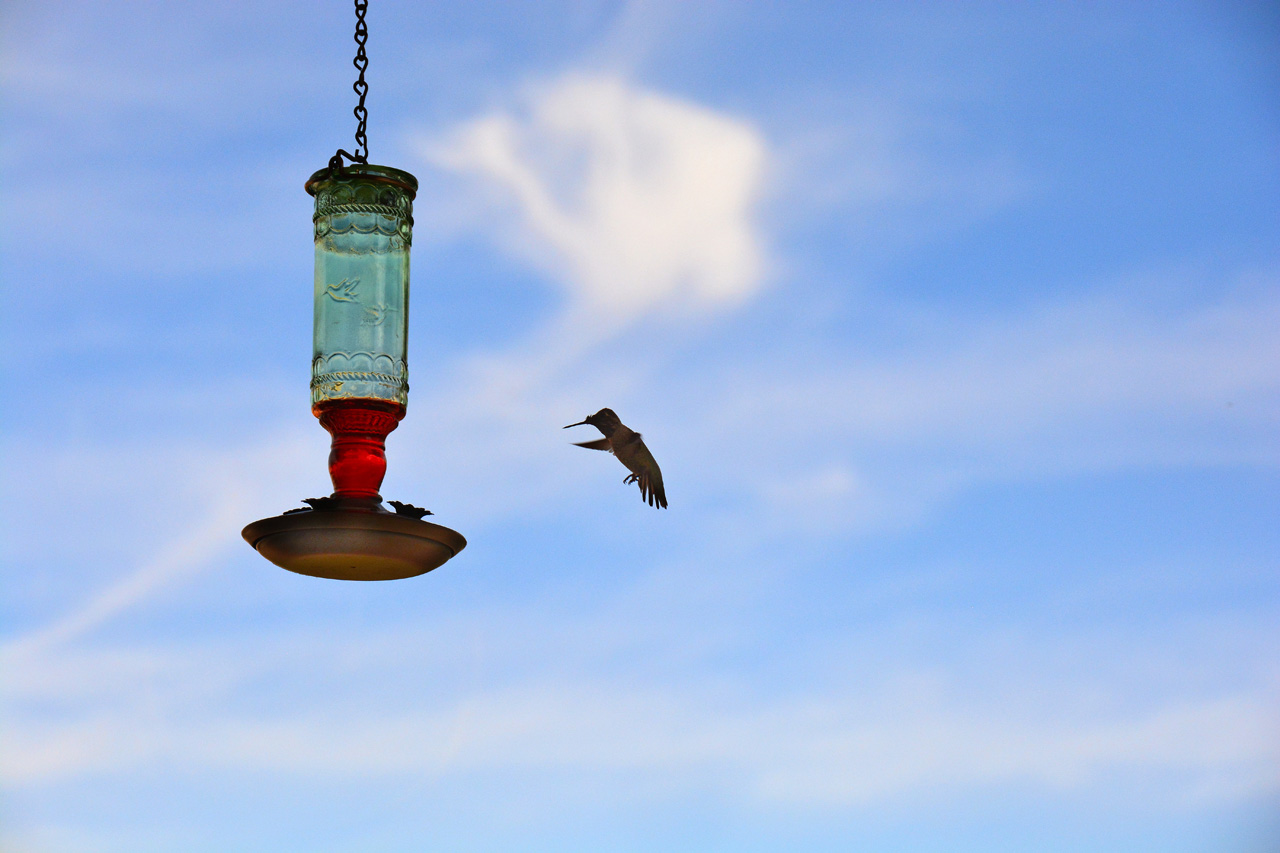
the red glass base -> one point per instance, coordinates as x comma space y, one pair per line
357, 456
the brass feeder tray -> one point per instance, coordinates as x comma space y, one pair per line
354, 539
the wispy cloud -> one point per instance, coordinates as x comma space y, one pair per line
633, 199
867, 438
901, 733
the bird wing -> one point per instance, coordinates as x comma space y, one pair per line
646, 469
598, 444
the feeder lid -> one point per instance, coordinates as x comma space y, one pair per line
368, 172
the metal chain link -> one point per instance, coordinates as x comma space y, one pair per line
361, 62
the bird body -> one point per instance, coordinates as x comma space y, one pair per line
626, 444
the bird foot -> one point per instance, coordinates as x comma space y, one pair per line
630, 479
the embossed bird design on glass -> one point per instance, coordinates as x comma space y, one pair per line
343, 291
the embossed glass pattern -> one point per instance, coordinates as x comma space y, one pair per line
363, 230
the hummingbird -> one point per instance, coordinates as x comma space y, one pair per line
625, 444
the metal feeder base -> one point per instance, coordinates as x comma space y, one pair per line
354, 539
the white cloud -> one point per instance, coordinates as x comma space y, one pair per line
633, 199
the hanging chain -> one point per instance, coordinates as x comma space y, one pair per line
361, 62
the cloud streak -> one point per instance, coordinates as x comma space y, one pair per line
199, 547
823, 749
224, 490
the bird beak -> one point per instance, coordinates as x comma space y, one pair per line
579, 423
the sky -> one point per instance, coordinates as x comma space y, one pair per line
953, 329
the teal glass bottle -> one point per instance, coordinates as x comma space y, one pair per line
363, 231
359, 368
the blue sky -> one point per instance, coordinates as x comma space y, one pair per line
951, 325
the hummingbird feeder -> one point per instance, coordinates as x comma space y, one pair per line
359, 375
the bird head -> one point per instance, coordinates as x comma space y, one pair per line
604, 420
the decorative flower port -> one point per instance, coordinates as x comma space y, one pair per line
359, 375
